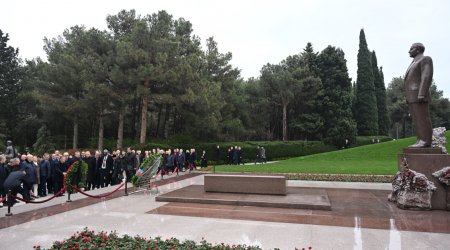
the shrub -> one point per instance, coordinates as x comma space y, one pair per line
88, 239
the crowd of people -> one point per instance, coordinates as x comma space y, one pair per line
37, 176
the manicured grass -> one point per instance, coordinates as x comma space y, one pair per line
376, 159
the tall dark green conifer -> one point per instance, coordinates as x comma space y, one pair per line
380, 91
337, 97
366, 102
10, 86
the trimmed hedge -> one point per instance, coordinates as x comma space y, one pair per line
275, 150
365, 140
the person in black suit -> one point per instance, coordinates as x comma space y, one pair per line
44, 172
106, 168
130, 160
59, 173
90, 175
15, 181
4, 172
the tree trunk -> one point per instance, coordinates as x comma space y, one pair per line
166, 118
75, 133
100, 132
159, 120
134, 112
144, 119
284, 122
120, 128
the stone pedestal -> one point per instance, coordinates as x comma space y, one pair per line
245, 184
427, 161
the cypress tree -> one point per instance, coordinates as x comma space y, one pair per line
366, 102
380, 91
339, 124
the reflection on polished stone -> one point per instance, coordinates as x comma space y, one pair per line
360, 219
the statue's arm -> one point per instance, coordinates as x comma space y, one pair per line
426, 78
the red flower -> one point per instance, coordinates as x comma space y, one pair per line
103, 244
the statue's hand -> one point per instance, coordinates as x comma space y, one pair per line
421, 98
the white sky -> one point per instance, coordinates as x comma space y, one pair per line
259, 32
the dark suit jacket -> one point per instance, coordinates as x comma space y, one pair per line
418, 79
109, 163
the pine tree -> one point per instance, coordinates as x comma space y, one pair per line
366, 101
380, 90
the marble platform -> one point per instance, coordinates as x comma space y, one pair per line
296, 198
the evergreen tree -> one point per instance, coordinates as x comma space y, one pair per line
366, 101
306, 121
339, 125
43, 143
380, 89
10, 86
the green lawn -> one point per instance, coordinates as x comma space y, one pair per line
377, 159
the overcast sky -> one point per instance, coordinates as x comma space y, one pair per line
260, 32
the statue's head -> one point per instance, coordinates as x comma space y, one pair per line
8, 143
416, 48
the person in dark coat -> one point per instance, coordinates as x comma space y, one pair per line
204, 160
169, 161
4, 172
188, 159
240, 156
130, 160
193, 158
181, 160
98, 165
44, 173
117, 169
258, 155
14, 183
90, 176
28, 166
54, 161
217, 155
106, 168
235, 155
60, 172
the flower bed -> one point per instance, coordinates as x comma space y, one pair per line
340, 177
88, 239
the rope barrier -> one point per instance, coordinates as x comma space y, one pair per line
38, 202
99, 196
169, 174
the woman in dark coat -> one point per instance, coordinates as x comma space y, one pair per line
204, 160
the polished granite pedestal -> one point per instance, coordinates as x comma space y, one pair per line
300, 198
245, 184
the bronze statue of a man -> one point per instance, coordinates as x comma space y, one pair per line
418, 78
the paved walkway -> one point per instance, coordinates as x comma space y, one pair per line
135, 214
